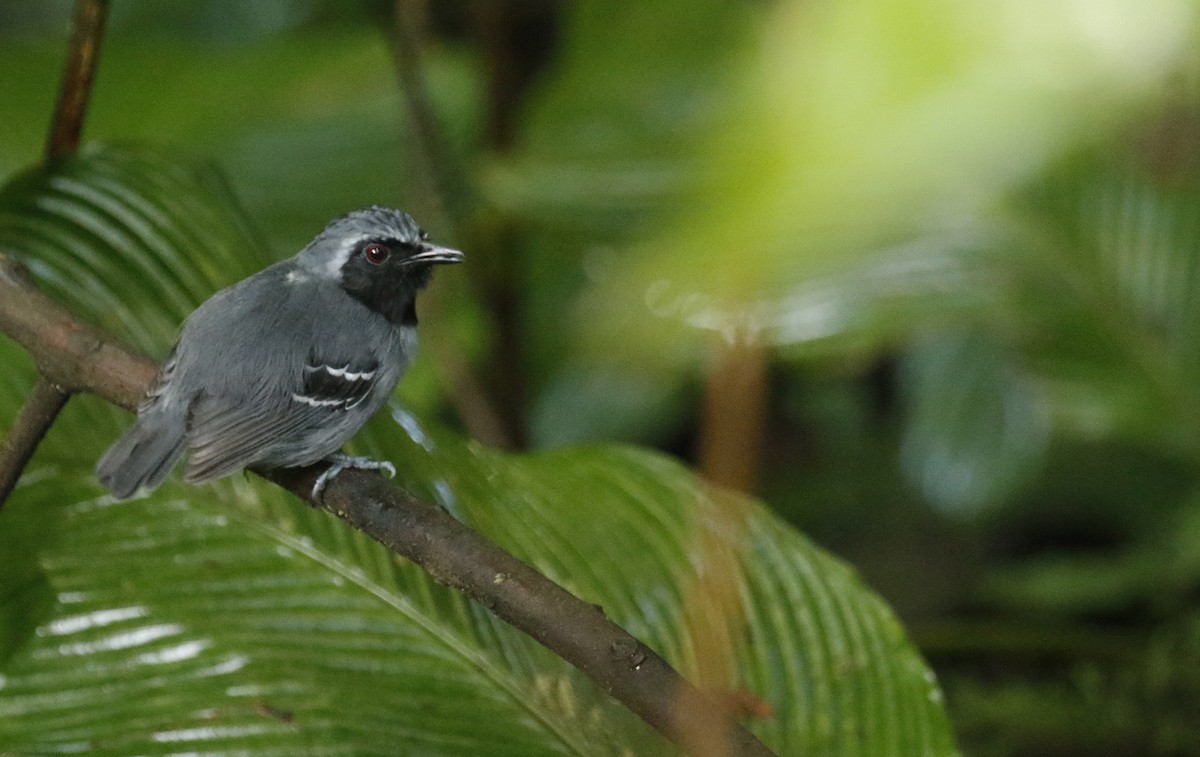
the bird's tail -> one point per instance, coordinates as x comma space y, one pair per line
145, 454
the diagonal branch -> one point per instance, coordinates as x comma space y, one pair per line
48, 398
27, 430
76, 86
447, 188
69, 353
444, 193
77, 357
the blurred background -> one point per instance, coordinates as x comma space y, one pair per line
923, 275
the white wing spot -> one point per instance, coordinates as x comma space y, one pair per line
343, 372
313, 401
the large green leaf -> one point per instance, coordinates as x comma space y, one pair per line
234, 619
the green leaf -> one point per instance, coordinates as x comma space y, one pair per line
852, 127
235, 619
597, 402
977, 428
111, 221
1112, 279
608, 140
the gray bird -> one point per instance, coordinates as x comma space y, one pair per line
282, 368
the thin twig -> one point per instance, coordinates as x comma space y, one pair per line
78, 357
514, 38
445, 191
76, 85
27, 431
48, 398
468, 396
440, 168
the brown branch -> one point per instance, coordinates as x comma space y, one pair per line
468, 396
79, 358
27, 430
576, 631
446, 194
735, 401
76, 361
68, 352
76, 85
514, 39
49, 397
440, 169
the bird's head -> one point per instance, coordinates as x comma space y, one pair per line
379, 256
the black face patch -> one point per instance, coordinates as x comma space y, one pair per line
386, 283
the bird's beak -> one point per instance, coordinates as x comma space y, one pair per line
433, 254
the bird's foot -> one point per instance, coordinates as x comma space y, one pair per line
339, 462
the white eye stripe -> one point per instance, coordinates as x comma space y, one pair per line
333, 266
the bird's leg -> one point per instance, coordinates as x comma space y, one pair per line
339, 462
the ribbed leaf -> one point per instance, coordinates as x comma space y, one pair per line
1115, 280
234, 619
834, 131
977, 429
118, 221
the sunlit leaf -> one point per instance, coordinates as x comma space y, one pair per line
857, 126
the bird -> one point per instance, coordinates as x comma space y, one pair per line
280, 369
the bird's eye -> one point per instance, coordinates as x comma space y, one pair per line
423, 235
376, 254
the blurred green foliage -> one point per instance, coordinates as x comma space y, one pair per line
967, 234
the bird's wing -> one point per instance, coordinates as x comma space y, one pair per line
292, 389
337, 384
162, 379
227, 433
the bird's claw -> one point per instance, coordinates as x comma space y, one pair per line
340, 462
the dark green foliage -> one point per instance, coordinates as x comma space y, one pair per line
966, 235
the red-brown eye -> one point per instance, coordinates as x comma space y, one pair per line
376, 254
